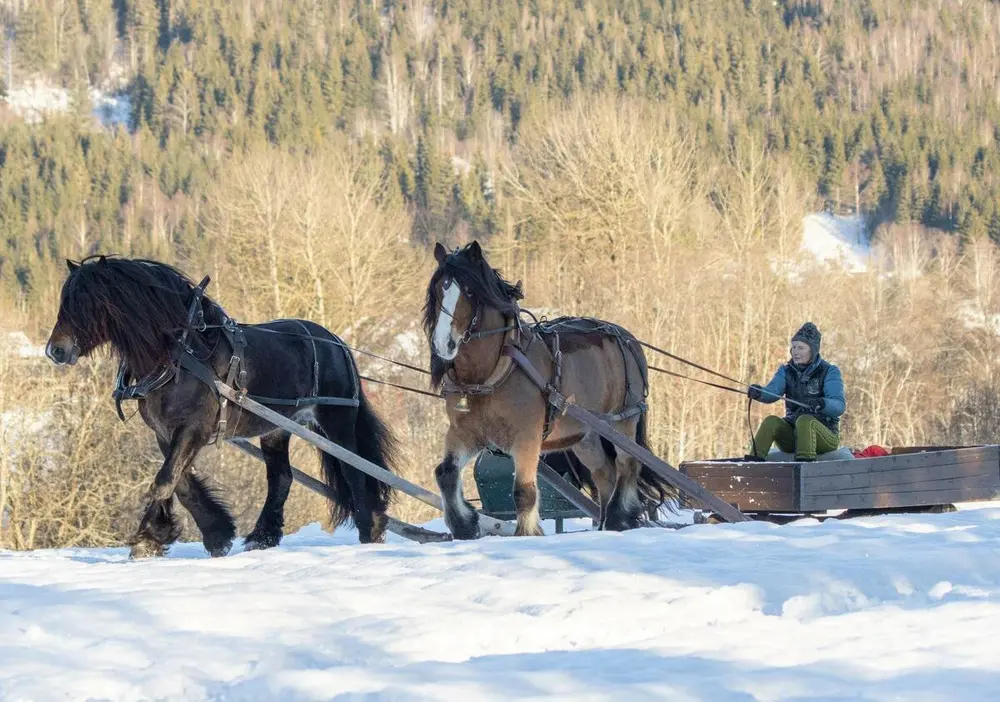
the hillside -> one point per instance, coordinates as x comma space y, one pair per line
884, 105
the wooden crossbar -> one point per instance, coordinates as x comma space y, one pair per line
487, 524
396, 526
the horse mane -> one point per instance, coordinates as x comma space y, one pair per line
137, 305
484, 284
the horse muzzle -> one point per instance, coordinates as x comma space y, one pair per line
62, 355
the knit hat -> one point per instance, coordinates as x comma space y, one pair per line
810, 335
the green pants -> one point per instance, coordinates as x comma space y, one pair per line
808, 437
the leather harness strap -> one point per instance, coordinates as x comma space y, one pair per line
182, 357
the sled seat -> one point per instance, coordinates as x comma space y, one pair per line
494, 476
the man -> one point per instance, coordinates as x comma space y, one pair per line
814, 392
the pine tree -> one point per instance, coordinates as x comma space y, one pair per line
33, 42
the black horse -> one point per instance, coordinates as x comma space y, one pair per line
174, 341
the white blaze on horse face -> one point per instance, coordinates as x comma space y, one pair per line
446, 339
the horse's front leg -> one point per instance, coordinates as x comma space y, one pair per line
459, 515
158, 527
525, 454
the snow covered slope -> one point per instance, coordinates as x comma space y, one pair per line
830, 238
34, 100
889, 608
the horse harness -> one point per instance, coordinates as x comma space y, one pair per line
183, 357
513, 355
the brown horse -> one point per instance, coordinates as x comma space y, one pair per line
472, 318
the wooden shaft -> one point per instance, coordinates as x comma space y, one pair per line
489, 524
567, 490
658, 466
400, 528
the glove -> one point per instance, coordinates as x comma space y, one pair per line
816, 406
754, 392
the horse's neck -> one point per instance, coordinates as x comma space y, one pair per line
477, 359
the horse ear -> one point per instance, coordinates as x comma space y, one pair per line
475, 251
519, 290
440, 254
71, 265
102, 261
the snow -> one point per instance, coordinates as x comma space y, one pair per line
972, 317
832, 238
35, 99
900, 607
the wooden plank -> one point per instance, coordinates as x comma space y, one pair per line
982, 480
400, 528
909, 499
657, 465
749, 486
720, 485
488, 524
902, 450
985, 455
753, 501
749, 470
888, 478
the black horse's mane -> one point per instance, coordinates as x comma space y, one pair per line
485, 285
137, 305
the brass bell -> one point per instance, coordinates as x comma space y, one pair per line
463, 404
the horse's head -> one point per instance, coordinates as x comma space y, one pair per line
463, 288
79, 328
136, 306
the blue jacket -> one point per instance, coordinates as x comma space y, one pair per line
819, 379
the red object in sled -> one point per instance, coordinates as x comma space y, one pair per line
871, 452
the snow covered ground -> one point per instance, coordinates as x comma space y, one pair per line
887, 608
835, 239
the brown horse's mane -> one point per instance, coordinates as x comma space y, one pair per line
483, 284
138, 306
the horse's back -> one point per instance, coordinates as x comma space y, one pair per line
283, 353
599, 358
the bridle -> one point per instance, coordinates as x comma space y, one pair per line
470, 334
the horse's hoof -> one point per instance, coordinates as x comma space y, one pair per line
145, 549
219, 550
260, 542
536, 531
464, 532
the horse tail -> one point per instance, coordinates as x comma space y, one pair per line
338, 490
377, 444
654, 491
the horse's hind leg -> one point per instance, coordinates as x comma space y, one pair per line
625, 510
268, 531
209, 512
594, 456
158, 526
